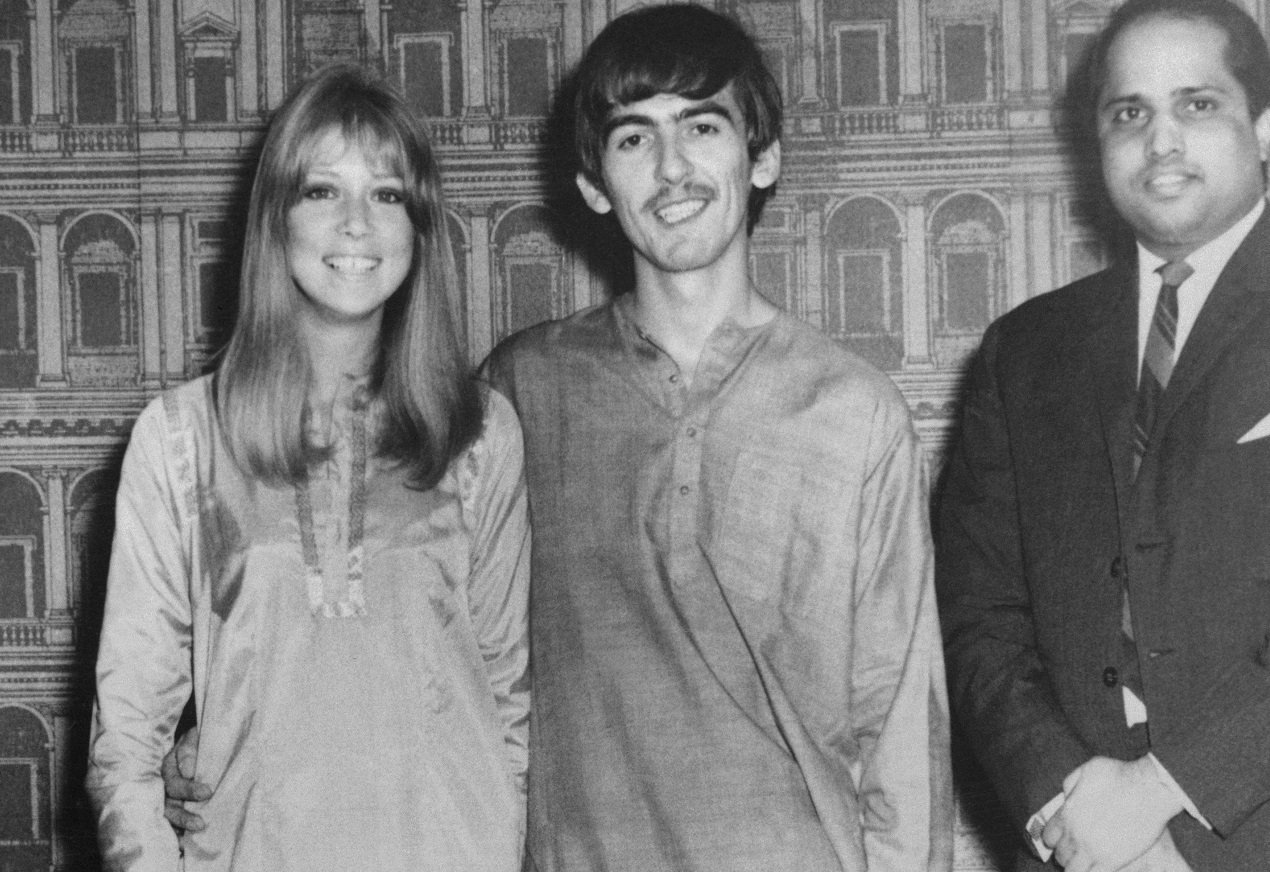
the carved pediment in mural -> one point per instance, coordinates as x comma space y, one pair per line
971, 232
95, 21
964, 8
99, 251
1083, 8
531, 243
209, 27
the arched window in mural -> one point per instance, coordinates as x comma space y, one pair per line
532, 271
95, 37
15, 62
91, 506
968, 249
100, 283
17, 306
22, 578
864, 291
25, 791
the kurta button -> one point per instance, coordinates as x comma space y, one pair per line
1117, 567
684, 489
1110, 676
674, 379
692, 432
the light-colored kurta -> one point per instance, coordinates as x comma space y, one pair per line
737, 663
389, 740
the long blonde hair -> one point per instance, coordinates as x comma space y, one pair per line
432, 406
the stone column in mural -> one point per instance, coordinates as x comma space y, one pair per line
810, 17
912, 47
1012, 40
148, 279
144, 60
50, 340
373, 25
475, 88
1041, 235
163, 67
172, 300
273, 40
917, 328
1018, 254
1038, 34
44, 88
814, 263
56, 576
247, 80
480, 289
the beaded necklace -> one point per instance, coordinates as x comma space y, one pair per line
353, 603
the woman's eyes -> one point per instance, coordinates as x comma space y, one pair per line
388, 196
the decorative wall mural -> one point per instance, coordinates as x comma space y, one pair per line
927, 188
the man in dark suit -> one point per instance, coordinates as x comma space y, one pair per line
1104, 532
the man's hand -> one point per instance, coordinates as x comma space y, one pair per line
1162, 856
1114, 811
178, 788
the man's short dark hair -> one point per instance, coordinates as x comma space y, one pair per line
679, 49
1246, 54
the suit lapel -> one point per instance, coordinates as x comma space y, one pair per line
1237, 299
1111, 357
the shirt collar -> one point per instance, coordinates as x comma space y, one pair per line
1207, 261
1210, 258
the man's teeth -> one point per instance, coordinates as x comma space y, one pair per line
676, 212
351, 264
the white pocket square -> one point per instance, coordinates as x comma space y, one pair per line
1260, 430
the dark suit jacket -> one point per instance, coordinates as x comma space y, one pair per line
1040, 515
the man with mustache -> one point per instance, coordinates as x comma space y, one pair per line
735, 651
1104, 532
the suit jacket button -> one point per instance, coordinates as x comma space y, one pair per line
1117, 567
1110, 676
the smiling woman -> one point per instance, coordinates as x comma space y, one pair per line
324, 546
350, 242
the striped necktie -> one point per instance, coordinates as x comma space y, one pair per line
1157, 361
1157, 366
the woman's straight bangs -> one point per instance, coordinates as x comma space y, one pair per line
372, 133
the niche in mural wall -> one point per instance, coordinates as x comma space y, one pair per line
100, 302
17, 306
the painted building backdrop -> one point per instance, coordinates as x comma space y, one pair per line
926, 190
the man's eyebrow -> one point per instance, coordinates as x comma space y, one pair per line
620, 120
705, 107
1178, 93
1114, 100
